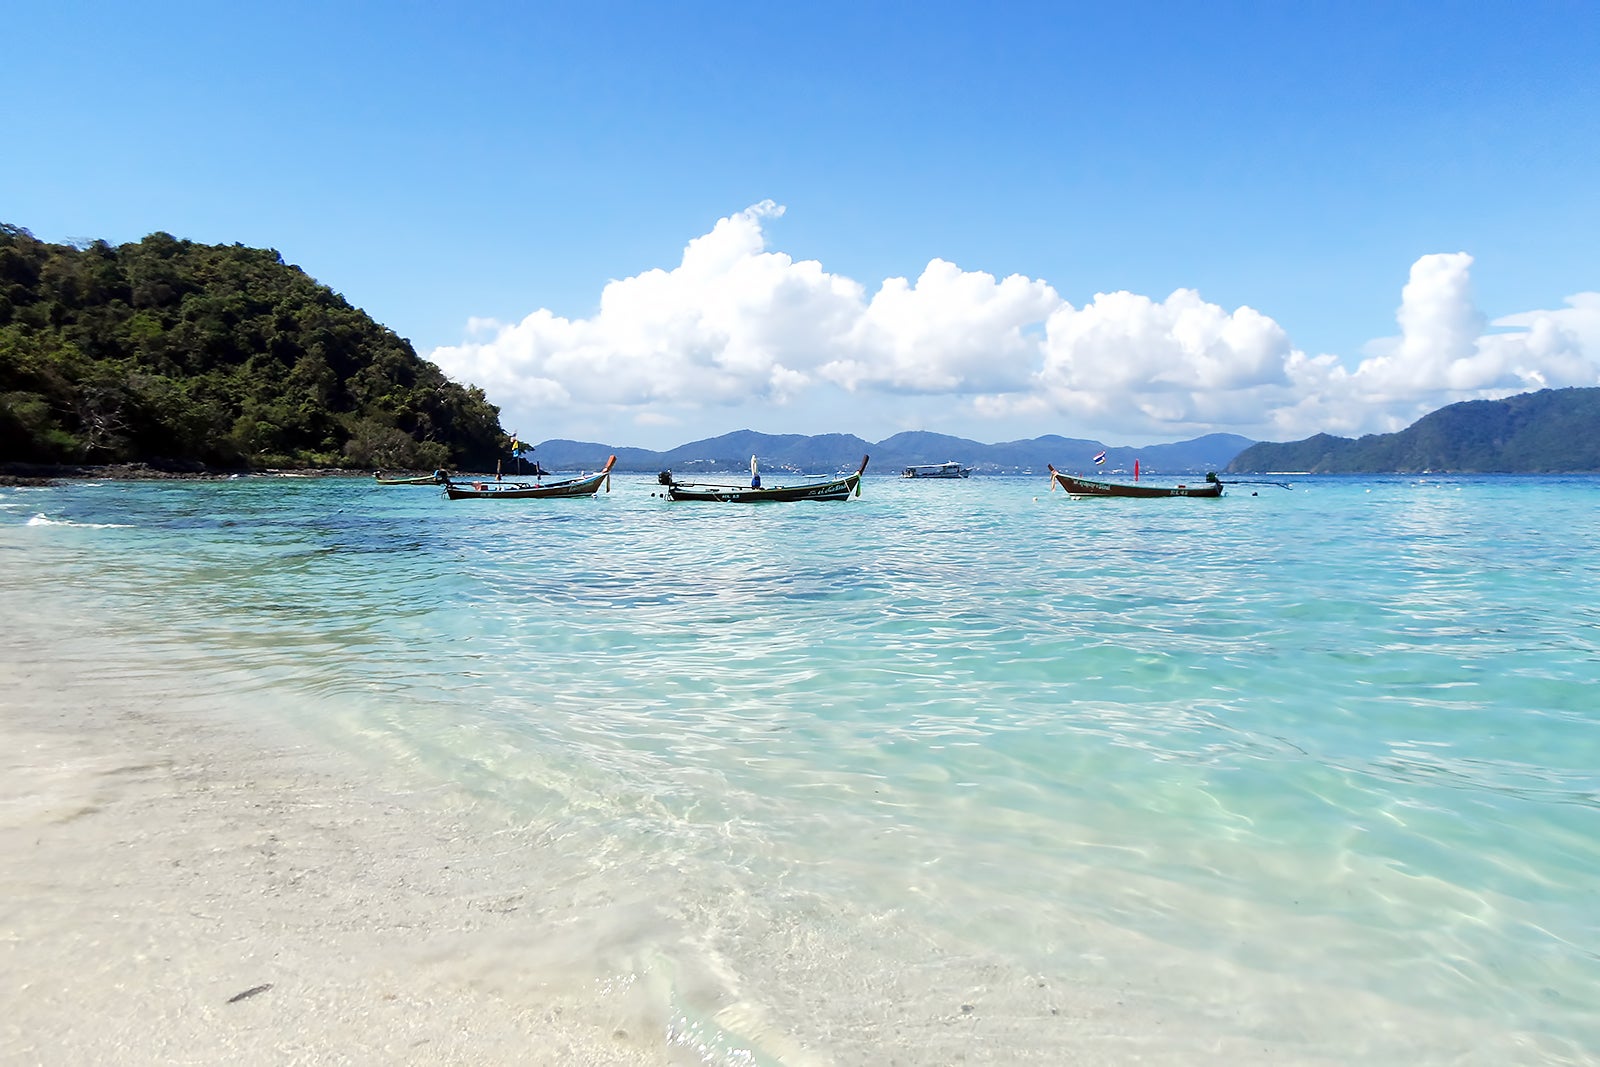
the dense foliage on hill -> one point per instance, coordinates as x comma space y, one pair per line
166, 350
1550, 431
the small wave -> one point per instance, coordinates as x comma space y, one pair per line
43, 520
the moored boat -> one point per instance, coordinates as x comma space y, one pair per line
436, 478
483, 489
839, 488
1085, 487
936, 470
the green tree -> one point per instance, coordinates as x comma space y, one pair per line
218, 354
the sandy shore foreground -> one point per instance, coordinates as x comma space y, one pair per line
176, 889
185, 880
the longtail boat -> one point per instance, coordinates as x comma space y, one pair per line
436, 478
1081, 487
840, 488
482, 489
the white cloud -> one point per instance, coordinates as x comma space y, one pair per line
954, 331
730, 323
736, 326
1443, 354
1181, 364
1567, 339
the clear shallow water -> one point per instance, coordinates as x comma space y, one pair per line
1267, 766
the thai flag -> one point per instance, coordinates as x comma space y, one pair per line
1099, 457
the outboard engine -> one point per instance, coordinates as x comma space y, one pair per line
665, 477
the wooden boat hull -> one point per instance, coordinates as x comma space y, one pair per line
427, 479
836, 489
1088, 487
572, 487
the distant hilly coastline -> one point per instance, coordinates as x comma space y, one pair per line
1552, 431
832, 452
1549, 431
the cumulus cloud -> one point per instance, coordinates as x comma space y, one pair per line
730, 322
1443, 353
1443, 347
953, 331
735, 324
1180, 363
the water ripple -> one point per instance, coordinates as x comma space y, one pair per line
1337, 732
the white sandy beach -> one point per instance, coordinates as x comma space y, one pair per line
175, 891
182, 889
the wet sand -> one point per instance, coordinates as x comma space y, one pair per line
176, 890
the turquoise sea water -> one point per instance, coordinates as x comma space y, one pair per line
1314, 772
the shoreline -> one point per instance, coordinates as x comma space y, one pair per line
181, 889
34, 474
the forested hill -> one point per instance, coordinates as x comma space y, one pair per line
221, 355
1550, 431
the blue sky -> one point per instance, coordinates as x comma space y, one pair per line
644, 224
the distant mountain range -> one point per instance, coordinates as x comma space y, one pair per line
1551, 431
827, 453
